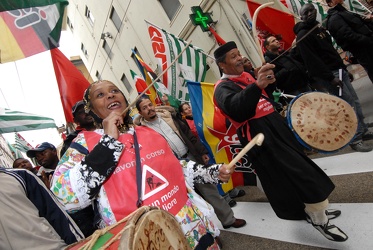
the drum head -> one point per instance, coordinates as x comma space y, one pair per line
321, 121
153, 229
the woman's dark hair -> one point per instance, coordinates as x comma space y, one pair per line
181, 107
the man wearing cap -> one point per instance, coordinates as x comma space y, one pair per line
84, 122
295, 186
46, 156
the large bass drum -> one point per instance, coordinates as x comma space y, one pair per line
322, 122
146, 228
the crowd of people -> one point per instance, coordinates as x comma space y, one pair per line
97, 178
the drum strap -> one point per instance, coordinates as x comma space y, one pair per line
138, 170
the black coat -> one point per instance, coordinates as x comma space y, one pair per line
291, 75
317, 51
349, 30
288, 177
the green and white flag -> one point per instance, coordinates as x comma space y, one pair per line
352, 5
191, 65
16, 121
295, 5
356, 6
21, 144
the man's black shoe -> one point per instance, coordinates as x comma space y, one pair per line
368, 136
236, 224
218, 241
361, 147
235, 193
331, 232
232, 203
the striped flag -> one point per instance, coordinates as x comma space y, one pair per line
158, 87
29, 27
358, 7
21, 144
295, 6
217, 134
16, 121
146, 71
191, 66
352, 5
140, 83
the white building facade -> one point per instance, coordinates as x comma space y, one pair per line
108, 31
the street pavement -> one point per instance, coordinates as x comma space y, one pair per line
352, 174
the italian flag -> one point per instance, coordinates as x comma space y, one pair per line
28, 27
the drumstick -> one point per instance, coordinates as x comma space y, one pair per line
257, 140
290, 96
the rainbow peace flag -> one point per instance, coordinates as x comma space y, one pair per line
217, 133
29, 27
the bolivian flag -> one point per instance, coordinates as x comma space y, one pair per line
28, 27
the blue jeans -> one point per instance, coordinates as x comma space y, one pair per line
350, 96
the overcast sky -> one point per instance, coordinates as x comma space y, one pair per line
29, 85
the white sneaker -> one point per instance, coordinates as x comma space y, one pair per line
330, 213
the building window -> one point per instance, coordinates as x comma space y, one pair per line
89, 16
107, 49
84, 50
170, 7
98, 76
115, 18
126, 83
69, 23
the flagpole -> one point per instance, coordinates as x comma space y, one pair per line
182, 39
156, 79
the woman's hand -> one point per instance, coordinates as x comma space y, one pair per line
111, 123
225, 173
265, 76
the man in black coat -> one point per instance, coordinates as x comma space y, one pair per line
352, 32
294, 185
291, 75
324, 65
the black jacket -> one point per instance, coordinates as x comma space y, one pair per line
290, 74
317, 51
349, 30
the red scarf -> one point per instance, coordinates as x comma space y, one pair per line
263, 107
